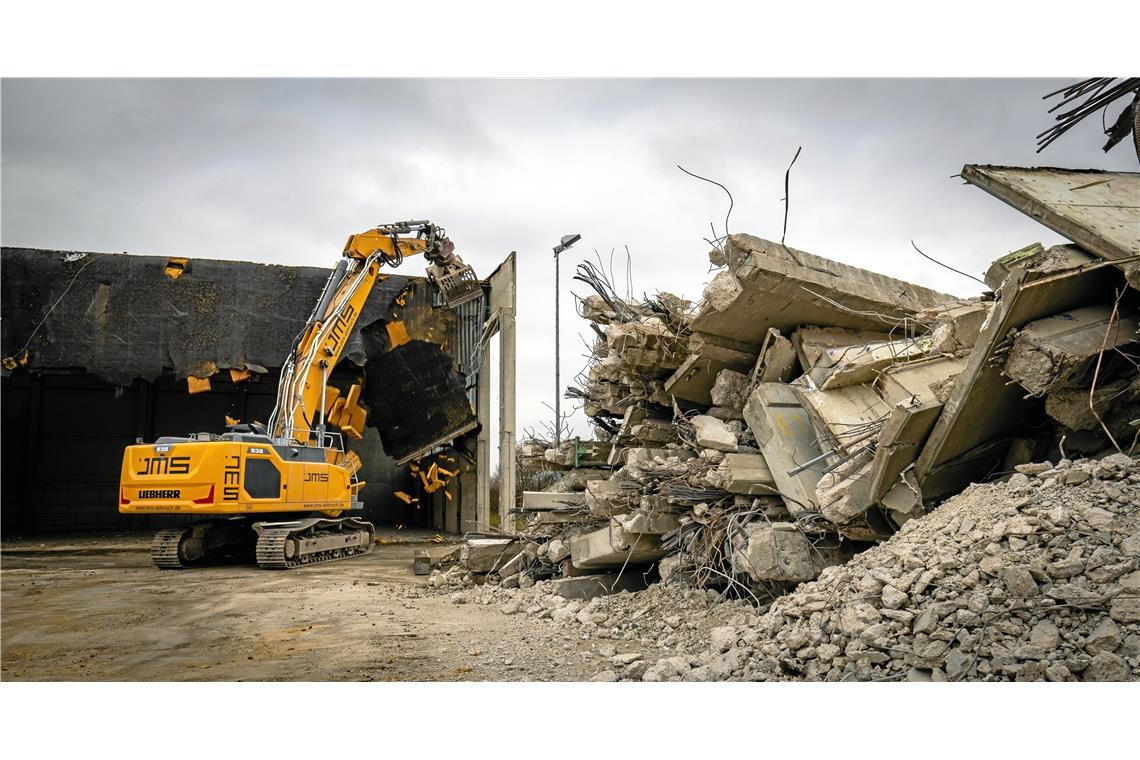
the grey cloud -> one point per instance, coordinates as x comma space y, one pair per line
283, 170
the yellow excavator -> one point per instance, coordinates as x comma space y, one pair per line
253, 478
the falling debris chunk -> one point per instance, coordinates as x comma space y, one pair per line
197, 384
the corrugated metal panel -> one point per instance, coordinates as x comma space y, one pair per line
469, 320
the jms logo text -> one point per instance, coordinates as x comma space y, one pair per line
316, 477
165, 466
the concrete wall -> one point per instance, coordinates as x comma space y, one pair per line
62, 437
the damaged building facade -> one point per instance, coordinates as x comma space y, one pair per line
104, 349
806, 410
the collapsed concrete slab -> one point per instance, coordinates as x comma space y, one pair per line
852, 365
789, 443
694, 380
983, 409
958, 321
780, 552
899, 442
1095, 209
770, 286
644, 523
813, 343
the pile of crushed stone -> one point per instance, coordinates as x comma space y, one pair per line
1036, 578
1028, 580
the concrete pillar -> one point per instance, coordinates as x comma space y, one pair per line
507, 393
483, 443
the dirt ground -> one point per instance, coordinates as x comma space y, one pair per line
97, 610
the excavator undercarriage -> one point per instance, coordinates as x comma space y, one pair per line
274, 545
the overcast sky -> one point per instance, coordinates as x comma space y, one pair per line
281, 171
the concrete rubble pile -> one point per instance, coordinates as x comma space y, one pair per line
1035, 578
820, 408
808, 439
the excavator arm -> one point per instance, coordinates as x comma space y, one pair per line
305, 403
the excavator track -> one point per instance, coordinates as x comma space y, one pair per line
203, 543
281, 546
164, 548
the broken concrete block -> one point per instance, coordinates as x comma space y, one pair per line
1057, 350
693, 380
614, 547
587, 587
982, 411
844, 499
421, 562
544, 500
902, 500
730, 389
1001, 267
926, 381
713, 433
766, 288
606, 498
482, 555
557, 550
519, 561
780, 552
641, 523
1112, 401
747, 474
721, 291
670, 568
789, 442
961, 322
778, 361
898, 444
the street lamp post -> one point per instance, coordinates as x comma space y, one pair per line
567, 241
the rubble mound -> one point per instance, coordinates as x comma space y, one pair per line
1033, 579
